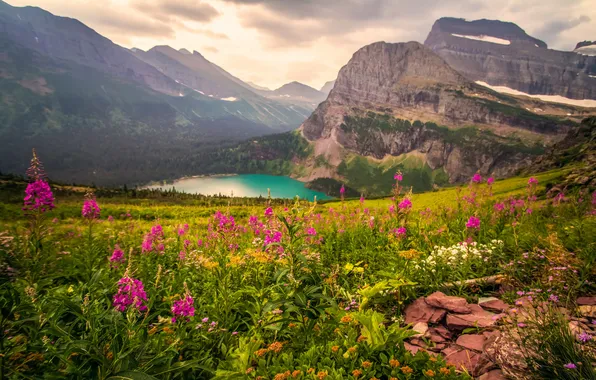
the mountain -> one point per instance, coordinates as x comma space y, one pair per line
97, 112
295, 93
257, 87
502, 54
586, 48
402, 107
327, 87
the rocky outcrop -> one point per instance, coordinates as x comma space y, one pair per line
502, 54
327, 87
394, 99
585, 48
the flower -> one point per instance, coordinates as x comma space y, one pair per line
38, 197
90, 208
131, 292
473, 222
532, 181
398, 176
311, 231
570, 366
553, 298
401, 231
405, 204
117, 255
477, 178
342, 190
584, 337
183, 308
268, 211
490, 181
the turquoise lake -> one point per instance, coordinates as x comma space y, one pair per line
244, 185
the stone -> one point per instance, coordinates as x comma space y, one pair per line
454, 304
471, 341
413, 348
478, 318
484, 365
587, 311
591, 301
493, 304
420, 311
462, 359
495, 374
438, 316
435, 336
421, 328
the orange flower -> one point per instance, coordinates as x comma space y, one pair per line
356, 372
292, 325
337, 330
276, 347
394, 363
433, 359
366, 364
310, 370
361, 338
261, 352
373, 378
335, 348
296, 373
445, 371
321, 375
352, 350
249, 370
407, 370
280, 376
346, 319
429, 373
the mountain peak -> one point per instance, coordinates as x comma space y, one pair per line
184, 51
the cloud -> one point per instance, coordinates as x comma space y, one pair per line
553, 29
211, 49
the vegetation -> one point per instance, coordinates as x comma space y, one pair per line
113, 286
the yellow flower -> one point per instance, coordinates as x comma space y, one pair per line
429, 373
394, 363
356, 372
445, 371
70, 289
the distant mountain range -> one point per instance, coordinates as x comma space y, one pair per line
94, 109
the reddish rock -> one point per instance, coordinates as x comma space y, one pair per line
421, 328
438, 316
484, 365
495, 374
494, 305
420, 311
478, 318
590, 301
462, 359
412, 348
442, 330
454, 304
471, 341
435, 336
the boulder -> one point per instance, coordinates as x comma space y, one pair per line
587, 311
421, 328
495, 374
493, 304
471, 341
591, 301
420, 311
454, 304
412, 348
477, 318
462, 359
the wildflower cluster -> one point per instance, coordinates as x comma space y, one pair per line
131, 293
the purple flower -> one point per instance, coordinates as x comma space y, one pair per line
205, 320
401, 231
398, 177
473, 222
90, 208
131, 292
570, 366
490, 181
521, 324
553, 298
38, 196
342, 190
117, 255
268, 211
405, 204
311, 231
532, 181
147, 245
584, 337
183, 308
157, 230
477, 178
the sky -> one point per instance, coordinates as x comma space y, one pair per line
273, 42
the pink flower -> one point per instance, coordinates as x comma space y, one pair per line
268, 211
147, 245
117, 255
473, 222
183, 308
532, 181
490, 181
90, 209
311, 231
499, 207
570, 366
398, 177
157, 230
131, 293
401, 231
342, 190
584, 337
38, 196
405, 204
477, 178
110, 218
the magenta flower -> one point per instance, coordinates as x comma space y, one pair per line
131, 293
268, 211
183, 308
477, 178
38, 197
342, 190
584, 337
90, 209
147, 245
405, 204
521, 324
401, 231
311, 231
110, 218
499, 206
490, 181
473, 222
532, 181
157, 230
570, 366
398, 177
553, 298
117, 255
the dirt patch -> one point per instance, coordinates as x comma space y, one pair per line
37, 85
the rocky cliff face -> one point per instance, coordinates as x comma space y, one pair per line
502, 54
396, 99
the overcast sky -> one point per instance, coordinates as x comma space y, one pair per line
272, 42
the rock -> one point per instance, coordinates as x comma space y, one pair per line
420, 311
586, 301
412, 348
421, 328
484, 365
587, 311
495, 374
436, 334
462, 359
471, 341
493, 304
455, 304
478, 318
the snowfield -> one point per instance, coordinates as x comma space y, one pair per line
494, 40
546, 98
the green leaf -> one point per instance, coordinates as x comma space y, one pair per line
131, 375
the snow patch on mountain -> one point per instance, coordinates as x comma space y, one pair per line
546, 98
494, 40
